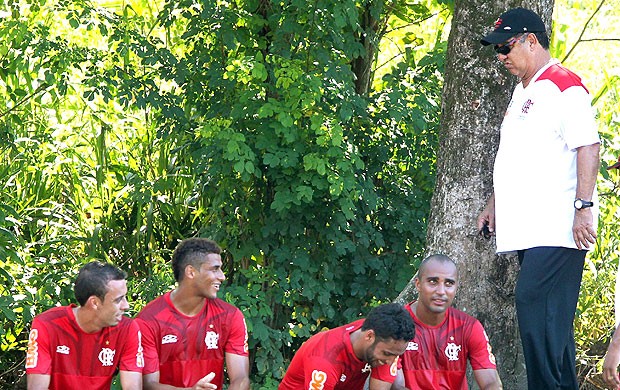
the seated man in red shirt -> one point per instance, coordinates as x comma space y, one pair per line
344, 357
446, 338
81, 347
188, 333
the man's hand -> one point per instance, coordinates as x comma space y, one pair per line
205, 383
583, 229
612, 360
610, 370
486, 219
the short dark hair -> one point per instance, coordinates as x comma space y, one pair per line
188, 253
436, 257
390, 321
543, 39
93, 280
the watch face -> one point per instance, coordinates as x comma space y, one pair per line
578, 204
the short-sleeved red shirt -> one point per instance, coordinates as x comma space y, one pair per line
184, 349
326, 361
58, 347
437, 357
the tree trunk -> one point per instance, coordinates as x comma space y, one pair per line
477, 91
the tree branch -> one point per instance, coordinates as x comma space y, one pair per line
39, 89
580, 39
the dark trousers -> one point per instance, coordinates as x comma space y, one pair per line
546, 299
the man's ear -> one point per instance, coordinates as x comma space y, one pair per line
369, 336
190, 271
532, 39
93, 302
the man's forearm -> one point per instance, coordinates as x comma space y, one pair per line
588, 163
240, 384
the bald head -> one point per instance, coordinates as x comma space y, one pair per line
439, 258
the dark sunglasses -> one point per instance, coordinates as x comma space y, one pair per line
506, 47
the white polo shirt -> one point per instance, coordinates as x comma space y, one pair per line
535, 175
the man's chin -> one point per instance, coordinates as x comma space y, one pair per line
439, 309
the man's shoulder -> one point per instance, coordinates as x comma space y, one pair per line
154, 307
461, 316
127, 324
54, 312
56, 315
221, 306
561, 77
330, 342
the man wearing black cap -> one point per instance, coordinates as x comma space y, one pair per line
544, 204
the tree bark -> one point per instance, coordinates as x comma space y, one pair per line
476, 92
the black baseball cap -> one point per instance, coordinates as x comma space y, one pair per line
511, 23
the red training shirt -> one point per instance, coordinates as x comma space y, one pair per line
437, 357
74, 359
326, 361
184, 349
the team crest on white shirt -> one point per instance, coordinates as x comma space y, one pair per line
526, 106
211, 339
452, 351
106, 356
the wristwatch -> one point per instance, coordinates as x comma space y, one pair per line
581, 204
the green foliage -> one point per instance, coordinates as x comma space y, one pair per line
128, 130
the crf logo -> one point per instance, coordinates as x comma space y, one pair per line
106, 357
412, 346
318, 380
497, 23
526, 106
169, 339
452, 351
211, 339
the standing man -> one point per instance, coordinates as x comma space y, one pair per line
188, 333
73, 347
344, 357
446, 338
544, 203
